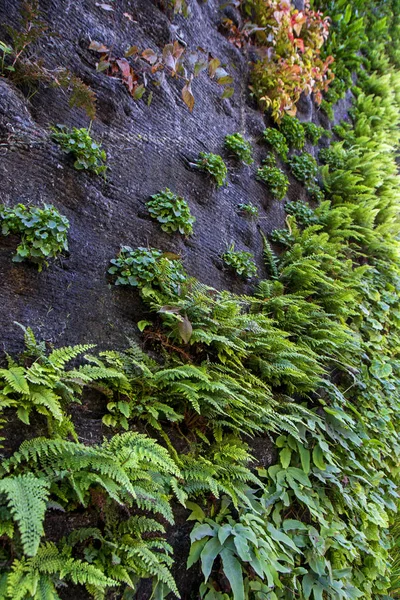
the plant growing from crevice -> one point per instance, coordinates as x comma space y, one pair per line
314, 132
141, 267
239, 147
240, 261
214, 166
304, 214
43, 232
290, 61
293, 131
249, 209
277, 140
172, 212
273, 177
86, 152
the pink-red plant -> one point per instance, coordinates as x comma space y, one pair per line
289, 44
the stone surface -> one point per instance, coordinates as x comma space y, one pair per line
148, 148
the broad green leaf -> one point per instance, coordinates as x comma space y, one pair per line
233, 572
208, 555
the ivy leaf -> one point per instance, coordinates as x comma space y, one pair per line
197, 513
187, 96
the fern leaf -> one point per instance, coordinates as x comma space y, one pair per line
26, 498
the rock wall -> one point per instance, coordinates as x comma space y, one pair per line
148, 149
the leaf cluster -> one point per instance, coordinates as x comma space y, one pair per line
43, 232
172, 212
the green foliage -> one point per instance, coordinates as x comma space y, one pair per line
310, 361
240, 147
293, 132
304, 214
273, 177
214, 166
43, 232
334, 156
240, 261
172, 212
39, 382
87, 153
144, 266
304, 167
248, 209
277, 140
314, 132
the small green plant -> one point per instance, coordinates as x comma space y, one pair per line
334, 156
304, 167
314, 132
240, 261
240, 147
304, 214
249, 209
213, 165
172, 212
277, 140
273, 177
293, 131
87, 153
146, 266
43, 232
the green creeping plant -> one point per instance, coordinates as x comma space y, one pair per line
293, 132
314, 132
43, 232
172, 212
240, 147
141, 267
87, 153
214, 166
277, 140
240, 261
273, 177
248, 209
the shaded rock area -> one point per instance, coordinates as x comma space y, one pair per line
148, 149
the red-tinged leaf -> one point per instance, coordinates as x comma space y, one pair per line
178, 50
187, 96
150, 56
228, 92
213, 65
131, 51
98, 47
185, 329
103, 65
124, 66
104, 6
138, 92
